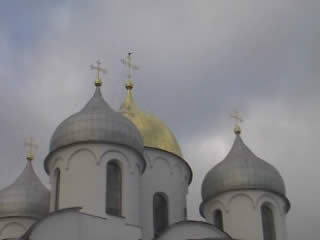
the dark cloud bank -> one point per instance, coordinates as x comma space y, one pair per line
198, 61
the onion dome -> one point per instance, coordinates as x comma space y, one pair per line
97, 122
155, 133
26, 197
242, 170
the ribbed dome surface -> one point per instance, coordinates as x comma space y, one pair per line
242, 170
155, 133
97, 122
26, 197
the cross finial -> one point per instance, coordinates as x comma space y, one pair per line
128, 62
238, 119
99, 69
30, 144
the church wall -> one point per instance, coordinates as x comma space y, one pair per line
14, 227
167, 174
83, 179
242, 213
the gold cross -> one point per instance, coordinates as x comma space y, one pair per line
128, 61
30, 144
238, 119
99, 69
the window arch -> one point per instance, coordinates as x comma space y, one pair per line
114, 188
268, 225
57, 175
218, 219
160, 213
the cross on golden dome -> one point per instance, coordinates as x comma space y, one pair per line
128, 62
99, 69
31, 146
235, 115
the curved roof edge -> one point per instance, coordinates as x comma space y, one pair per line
196, 223
26, 235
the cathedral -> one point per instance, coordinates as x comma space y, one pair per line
121, 175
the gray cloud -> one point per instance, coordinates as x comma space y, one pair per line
198, 61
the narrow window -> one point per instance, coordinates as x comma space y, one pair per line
268, 226
114, 191
218, 219
160, 213
57, 189
185, 213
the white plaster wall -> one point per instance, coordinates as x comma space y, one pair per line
79, 226
192, 230
83, 179
242, 213
168, 174
14, 227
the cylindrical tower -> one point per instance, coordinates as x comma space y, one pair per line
167, 176
96, 162
245, 196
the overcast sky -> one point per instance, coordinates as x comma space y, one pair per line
198, 61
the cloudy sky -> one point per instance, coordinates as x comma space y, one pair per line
198, 61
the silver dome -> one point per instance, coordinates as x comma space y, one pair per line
26, 197
97, 122
242, 169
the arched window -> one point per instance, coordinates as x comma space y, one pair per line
268, 226
114, 189
185, 213
57, 188
218, 219
160, 213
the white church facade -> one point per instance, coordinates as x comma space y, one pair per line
121, 175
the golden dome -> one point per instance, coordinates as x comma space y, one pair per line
155, 133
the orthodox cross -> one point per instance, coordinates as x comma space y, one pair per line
31, 145
131, 66
99, 69
238, 119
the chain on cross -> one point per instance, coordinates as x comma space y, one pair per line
238, 119
99, 69
31, 146
128, 62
